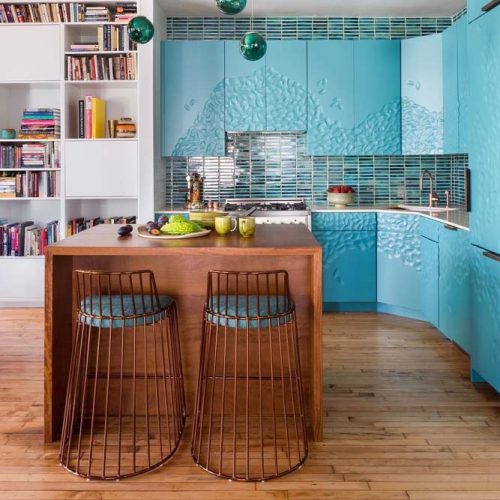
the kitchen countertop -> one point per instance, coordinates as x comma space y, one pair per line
456, 218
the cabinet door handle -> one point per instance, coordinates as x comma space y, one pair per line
451, 228
492, 255
490, 5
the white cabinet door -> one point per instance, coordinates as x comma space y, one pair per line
101, 169
30, 53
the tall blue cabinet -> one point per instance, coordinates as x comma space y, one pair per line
193, 98
484, 132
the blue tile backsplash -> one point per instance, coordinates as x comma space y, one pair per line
270, 165
306, 28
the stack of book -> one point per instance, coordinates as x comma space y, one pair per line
7, 187
40, 155
97, 13
20, 239
76, 226
114, 38
40, 123
125, 11
122, 67
84, 47
34, 184
91, 118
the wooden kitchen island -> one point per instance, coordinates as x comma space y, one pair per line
180, 269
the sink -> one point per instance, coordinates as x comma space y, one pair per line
417, 208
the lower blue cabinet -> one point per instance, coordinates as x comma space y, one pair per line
429, 289
485, 277
349, 259
455, 286
399, 264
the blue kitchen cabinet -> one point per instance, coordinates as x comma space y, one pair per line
377, 97
485, 275
463, 84
245, 92
474, 9
349, 259
193, 98
330, 114
450, 90
399, 265
484, 131
455, 285
286, 85
429, 280
422, 95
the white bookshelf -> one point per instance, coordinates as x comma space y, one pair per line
98, 177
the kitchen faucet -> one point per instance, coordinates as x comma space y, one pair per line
433, 197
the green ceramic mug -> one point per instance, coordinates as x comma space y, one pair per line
247, 226
225, 225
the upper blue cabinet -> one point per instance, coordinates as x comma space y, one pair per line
286, 85
377, 97
354, 97
474, 9
450, 90
463, 84
455, 88
245, 105
422, 95
330, 73
193, 98
484, 146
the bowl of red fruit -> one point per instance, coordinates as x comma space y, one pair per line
340, 196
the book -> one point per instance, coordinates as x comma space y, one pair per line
98, 118
81, 119
88, 117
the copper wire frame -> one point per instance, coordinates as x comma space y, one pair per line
125, 407
249, 417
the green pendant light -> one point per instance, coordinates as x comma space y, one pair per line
140, 29
231, 7
253, 45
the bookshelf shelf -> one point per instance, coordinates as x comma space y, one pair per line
100, 82
22, 141
30, 169
20, 198
105, 177
99, 53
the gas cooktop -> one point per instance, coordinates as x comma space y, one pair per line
266, 207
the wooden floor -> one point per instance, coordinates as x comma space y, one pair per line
402, 422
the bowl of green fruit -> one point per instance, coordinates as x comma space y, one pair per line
175, 227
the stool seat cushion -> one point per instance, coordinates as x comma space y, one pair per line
247, 310
121, 309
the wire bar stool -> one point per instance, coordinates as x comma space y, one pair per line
125, 408
249, 417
